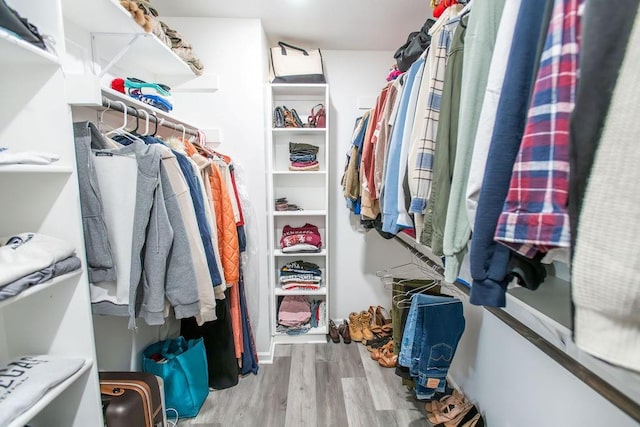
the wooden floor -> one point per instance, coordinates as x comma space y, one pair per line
314, 385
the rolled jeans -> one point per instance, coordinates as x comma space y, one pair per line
433, 330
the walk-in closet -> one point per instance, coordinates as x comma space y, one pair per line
292, 213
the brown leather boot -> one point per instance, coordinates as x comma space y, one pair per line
355, 326
333, 332
344, 332
365, 321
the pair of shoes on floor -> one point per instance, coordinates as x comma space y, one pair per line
379, 316
380, 321
453, 411
360, 326
385, 356
335, 332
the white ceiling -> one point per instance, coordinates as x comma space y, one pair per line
326, 24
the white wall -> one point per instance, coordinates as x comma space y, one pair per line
355, 255
233, 50
517, 385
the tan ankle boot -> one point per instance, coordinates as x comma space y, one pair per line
365, 321
355, 327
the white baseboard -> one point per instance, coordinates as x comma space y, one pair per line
266, 357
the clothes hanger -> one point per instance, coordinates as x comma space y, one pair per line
101, 119
146, 123
125, 120
184, 130
135, 130
155, 122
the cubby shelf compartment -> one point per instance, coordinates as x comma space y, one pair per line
41, 287
16, 51
53, 393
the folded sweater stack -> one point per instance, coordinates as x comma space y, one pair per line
301, 239
300, 275
303, 157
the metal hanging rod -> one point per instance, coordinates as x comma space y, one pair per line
625, 403
153, 118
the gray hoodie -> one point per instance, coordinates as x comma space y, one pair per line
161, 263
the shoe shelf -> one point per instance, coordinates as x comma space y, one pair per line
17, 51
116, 37
50, 395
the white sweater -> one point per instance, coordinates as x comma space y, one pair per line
606, 264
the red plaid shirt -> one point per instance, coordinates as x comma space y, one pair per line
534, 217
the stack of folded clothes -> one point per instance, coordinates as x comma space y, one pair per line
303, 157
300, 275
28, 259
157, 95
283, 205
294, 315
146, 16
182, 48
300, 239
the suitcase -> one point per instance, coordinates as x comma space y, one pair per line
131, 399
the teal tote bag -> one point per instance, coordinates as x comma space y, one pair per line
182, 365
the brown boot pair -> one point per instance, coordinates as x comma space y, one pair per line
335, 332
360, 326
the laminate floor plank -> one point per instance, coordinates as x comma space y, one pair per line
331, 410
357, 400
301, 399
282, 350
324, 385
345, 356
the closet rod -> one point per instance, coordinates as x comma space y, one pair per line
602, 387
135, 112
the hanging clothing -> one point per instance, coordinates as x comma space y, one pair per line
446, 141
488, 26
534, 217
370, 208
423, 145
219, 345
604, 42
606, 321
156, 240
489, 261
392, 207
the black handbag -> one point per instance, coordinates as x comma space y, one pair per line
416, 43
13, 22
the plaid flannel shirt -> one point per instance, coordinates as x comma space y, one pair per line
426, 145
534, 217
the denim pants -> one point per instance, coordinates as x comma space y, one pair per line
433, 330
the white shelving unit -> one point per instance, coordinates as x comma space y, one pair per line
307, 189
114, 32
53, 318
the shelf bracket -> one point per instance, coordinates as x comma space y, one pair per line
117, 56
